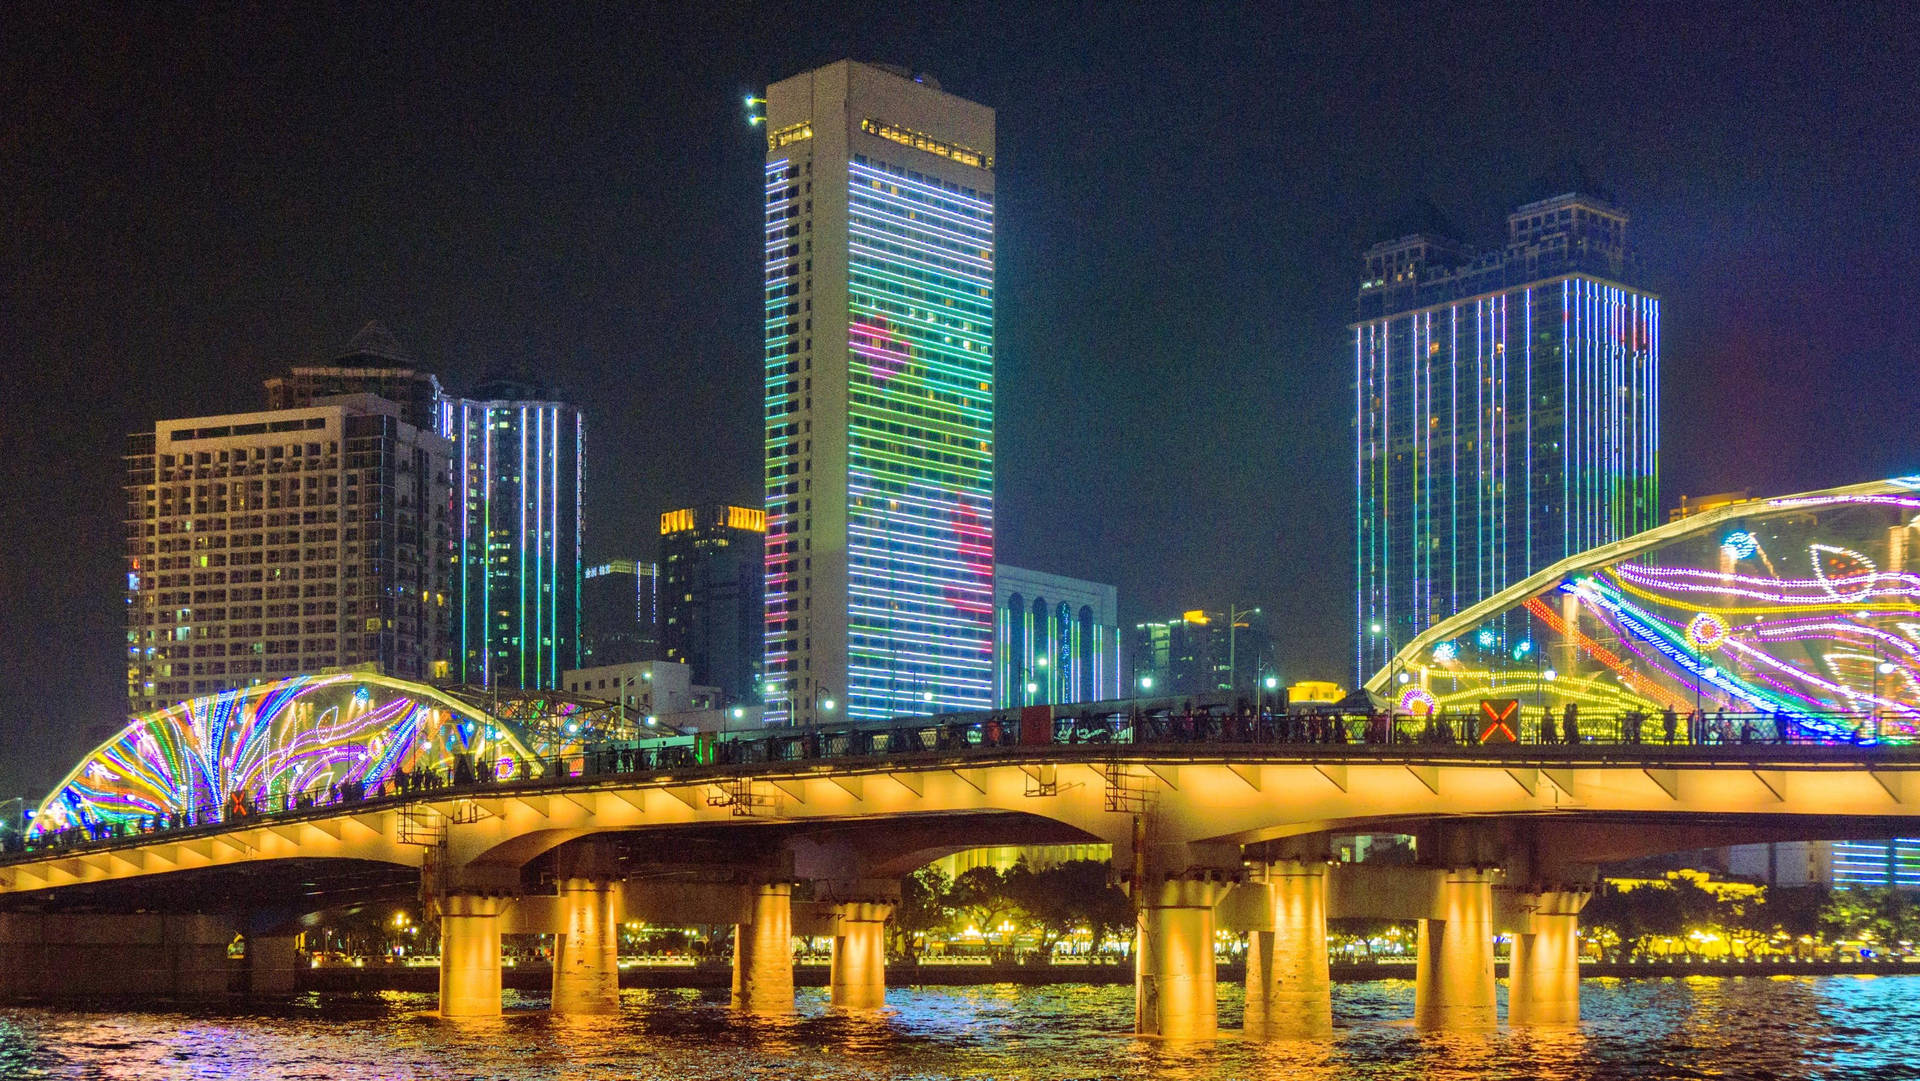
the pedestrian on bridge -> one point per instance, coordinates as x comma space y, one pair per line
1669, 724
1570, 724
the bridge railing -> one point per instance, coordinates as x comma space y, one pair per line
1163, 724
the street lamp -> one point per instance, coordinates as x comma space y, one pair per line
1146, 683
1393, 654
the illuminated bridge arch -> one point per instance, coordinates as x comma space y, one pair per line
1801, 611
264, 747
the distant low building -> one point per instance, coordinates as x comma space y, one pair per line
1057, 639
643, 687
1202, 652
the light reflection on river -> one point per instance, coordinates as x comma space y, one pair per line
1851, 1027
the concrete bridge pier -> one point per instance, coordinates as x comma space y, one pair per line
586, 944
273, 962
470, 954
1289, 987
763, 951
858, 977
586, 970
1543, 985
1174, 993
1453, 981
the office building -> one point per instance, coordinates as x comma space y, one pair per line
620, 612
263, 545
879, 385
373, 363
712, 563
1204, 653
517, 546
1506, 413
1057, 639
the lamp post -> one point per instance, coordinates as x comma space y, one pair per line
1393, 655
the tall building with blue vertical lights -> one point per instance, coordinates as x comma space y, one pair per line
1506, 413
517, 552
879, 396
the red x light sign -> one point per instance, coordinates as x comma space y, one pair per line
1497, 718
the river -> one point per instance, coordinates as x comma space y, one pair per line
1850, 1027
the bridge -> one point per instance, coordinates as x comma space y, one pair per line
254, 809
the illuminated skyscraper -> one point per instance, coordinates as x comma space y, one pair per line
1506, 414
879, 369
517, 552
620, 613
712, 567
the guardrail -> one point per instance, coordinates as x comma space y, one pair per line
1208, 728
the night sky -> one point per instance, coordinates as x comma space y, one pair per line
193, 202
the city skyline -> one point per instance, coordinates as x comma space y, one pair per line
1132, 310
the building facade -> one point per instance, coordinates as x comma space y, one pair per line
1506, 413
1204, 653
517, 548
373, 363
643, 688
712, 563
620, 612
264, 545
1057, 639
879, 396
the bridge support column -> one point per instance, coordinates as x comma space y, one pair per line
1289, 987
273, 962
1453, 982
858, 977
586, 969
1173, 986
1543, 986
763, 952
470, 955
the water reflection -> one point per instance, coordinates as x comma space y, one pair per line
1778, 1027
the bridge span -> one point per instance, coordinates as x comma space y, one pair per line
1222, 817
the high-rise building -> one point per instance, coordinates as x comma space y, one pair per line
517, 546
712, 563
263, 545
1204, 653
879, 377
620, 613
1506, 413
373, 363
1057, 639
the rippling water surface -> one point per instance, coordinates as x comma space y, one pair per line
1784, 1027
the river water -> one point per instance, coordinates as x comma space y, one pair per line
1720, 1027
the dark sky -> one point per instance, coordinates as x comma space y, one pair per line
194, 201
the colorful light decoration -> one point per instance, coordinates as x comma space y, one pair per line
1705, 631
1826, 634
262, 745
920, 438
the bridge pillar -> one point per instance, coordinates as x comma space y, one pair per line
858, 977
1453, 982
1173, 987
586, 969
1543, 985
470, 955
1289, 987
763, 952
273, 962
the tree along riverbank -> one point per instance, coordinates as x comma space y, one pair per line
525, 977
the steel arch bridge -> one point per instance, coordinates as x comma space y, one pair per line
283, 745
